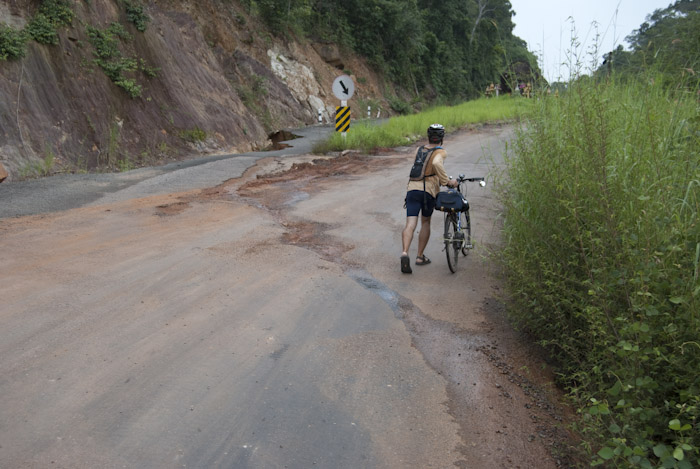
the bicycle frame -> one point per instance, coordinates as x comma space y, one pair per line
457, 220
457, 236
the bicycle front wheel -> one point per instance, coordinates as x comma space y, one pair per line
452, 242
467, 230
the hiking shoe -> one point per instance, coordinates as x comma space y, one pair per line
406, 265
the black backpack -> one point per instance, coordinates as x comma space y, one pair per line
418, 169
423, 155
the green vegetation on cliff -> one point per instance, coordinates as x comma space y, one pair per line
11, 43
444, 50
440, 52
53, 14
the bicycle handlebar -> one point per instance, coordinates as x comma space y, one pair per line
461, 178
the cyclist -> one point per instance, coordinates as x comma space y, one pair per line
420, 197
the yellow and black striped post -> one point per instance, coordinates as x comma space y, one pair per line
342, 118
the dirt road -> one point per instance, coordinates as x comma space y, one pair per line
265, 323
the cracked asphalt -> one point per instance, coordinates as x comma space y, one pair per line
249, 312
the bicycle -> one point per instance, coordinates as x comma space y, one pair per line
458, 228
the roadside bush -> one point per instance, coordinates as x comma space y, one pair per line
602, 199
399, 105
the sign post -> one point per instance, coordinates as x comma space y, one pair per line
343, 89
342, 118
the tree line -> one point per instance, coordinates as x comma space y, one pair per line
445, 51
668, 41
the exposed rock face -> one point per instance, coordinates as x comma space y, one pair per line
330, 54
301, 81
271, 93
221, 85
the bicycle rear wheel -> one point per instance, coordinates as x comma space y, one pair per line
452, 242
467, 230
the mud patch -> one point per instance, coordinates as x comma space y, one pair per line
171, 209
259, 247
280, 190
219, 192
215, 193
319, 168
313, 236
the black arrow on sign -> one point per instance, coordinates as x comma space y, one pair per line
345, 90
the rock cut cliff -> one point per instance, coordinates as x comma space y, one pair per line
208, 78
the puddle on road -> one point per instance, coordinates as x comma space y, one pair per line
466, 360
363, 277
447, 349
277, 140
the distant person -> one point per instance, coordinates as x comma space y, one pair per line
427, 175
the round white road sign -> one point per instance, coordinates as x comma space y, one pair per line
343, 87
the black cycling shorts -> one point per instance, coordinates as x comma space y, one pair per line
414, 204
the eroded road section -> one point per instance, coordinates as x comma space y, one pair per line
265, 323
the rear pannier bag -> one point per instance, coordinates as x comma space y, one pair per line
451, 201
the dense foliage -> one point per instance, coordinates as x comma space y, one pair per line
602, 222
602, 205
444, 50
669, 41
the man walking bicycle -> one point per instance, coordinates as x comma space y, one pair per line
427, 175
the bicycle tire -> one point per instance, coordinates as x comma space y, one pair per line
452, 244
467, 230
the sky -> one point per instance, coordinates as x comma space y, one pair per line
546, 26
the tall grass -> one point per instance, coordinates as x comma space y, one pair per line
601, 197
404, 130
